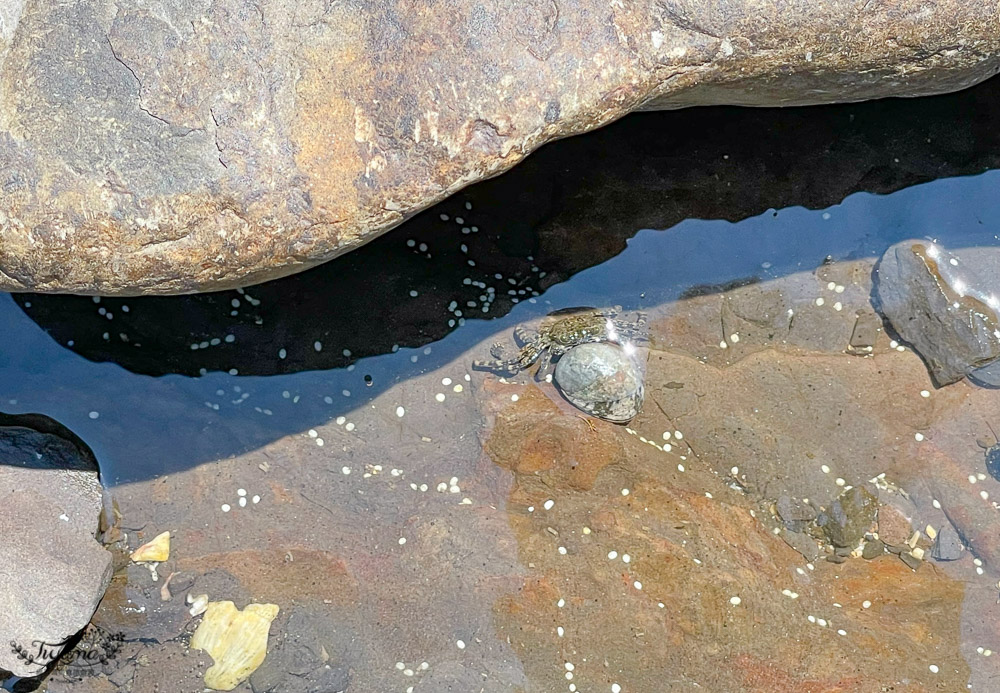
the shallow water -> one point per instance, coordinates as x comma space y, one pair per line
441, 529
149, 426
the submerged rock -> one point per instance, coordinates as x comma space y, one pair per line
53, 572
945, 307
849, 517
602, 379
993, 461
948, 545
200, 146
309, 654
794, 513
873, 549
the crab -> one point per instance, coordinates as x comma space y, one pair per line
559, 332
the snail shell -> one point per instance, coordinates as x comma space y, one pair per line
602, 379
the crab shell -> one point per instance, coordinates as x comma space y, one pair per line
601, 379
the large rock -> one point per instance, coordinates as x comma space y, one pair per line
945, 305
53, 572
181, 147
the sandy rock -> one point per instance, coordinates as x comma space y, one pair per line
893, 527
196, 146
53, 572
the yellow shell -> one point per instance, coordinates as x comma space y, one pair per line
156, 551
236, 640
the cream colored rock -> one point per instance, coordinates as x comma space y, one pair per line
155, 551
236, 640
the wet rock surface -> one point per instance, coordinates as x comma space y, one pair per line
216, 145
849, 518
300, 660
948, 545
941, 305
437, 528
405, 552
53, 572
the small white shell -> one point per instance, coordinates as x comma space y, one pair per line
198, 604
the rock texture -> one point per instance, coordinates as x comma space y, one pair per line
175, 148
52, 571
945, 305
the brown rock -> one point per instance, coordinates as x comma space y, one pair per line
701, 577
893, 527
310, 573
185, 147
533, 437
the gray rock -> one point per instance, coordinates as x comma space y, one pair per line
948, 545
873, 549
309, 654
933, 300
53, 572
794, 513
803, 543
456, 677
910, 560
182, 146
866, 330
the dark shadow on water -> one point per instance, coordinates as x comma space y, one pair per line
36, 441
294, 353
